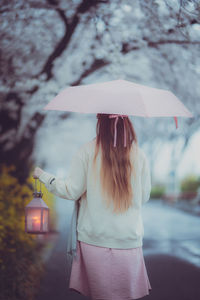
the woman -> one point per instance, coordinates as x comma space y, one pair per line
111, 175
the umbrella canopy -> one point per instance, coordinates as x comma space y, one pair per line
119, 97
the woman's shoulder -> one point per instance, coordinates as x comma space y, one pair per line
143, 157
89, 145
139, 152
86, 148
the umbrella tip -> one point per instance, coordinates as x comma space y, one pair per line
176, 121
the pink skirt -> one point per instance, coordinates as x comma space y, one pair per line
109, 273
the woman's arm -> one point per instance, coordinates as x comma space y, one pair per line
74, 185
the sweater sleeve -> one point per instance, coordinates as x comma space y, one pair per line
75, 183
146, 180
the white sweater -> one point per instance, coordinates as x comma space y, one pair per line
96, 224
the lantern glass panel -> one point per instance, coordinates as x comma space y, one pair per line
45, 219
33, 219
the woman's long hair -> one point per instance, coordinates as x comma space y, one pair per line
116, 167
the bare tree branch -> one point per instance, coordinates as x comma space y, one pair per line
84, 6
96, 65
127, 47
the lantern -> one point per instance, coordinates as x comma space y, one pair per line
37, 214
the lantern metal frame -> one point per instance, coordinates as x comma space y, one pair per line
38, 204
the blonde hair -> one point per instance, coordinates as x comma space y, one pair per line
117, 164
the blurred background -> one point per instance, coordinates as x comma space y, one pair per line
48, 45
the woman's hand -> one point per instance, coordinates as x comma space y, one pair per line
37, 172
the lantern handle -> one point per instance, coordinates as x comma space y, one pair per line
36, 185
37, 193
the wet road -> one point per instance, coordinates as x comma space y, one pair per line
171, 231
171, 248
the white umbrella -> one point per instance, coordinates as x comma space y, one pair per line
119, 97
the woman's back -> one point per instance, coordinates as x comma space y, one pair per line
97, 224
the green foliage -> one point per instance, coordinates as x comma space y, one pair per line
190, 183
21, 267
157, 191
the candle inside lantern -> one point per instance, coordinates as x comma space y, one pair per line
36, 223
